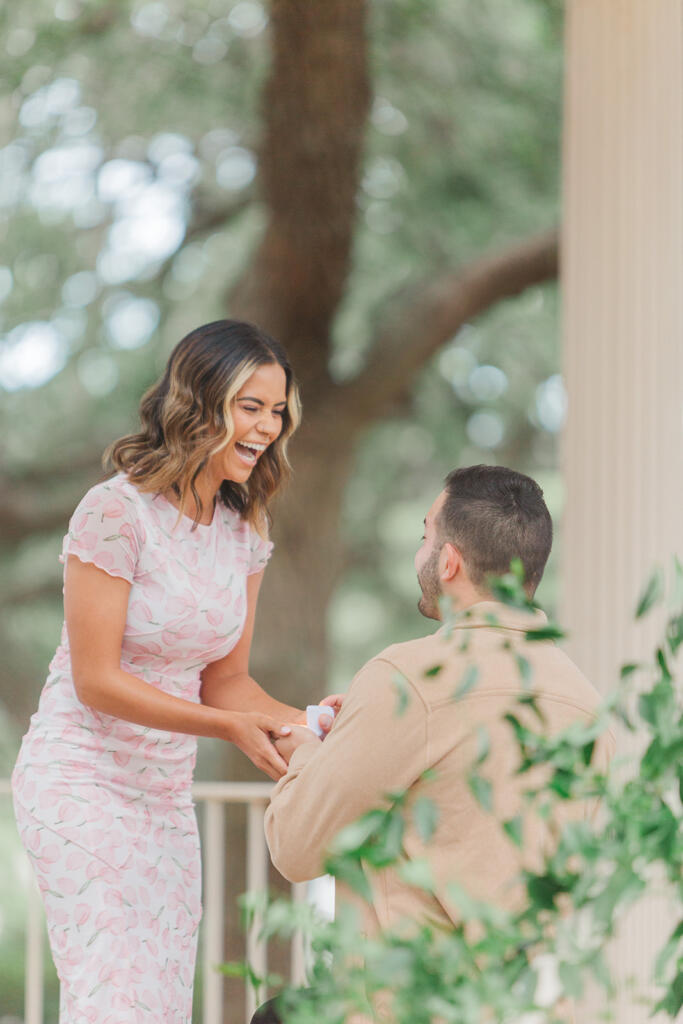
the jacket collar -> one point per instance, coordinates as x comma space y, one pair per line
496, 615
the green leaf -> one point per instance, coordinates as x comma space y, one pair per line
524, 669
517, 570
562, 782
513, 828
668, 951
481, 789
426, 818
433, 671
672, 1001
402, 688
468, 681
530, 701
418, 873
674, 633
652, 594
387, 844
351, 873
548, 632
353, 837
543, 889
483, 744
587, 752
663, 665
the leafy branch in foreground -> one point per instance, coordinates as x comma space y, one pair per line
496, 965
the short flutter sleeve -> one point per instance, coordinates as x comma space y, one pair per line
260, 550
105, 530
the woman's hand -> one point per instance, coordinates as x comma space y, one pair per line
251, 732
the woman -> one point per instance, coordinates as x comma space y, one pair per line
163, 563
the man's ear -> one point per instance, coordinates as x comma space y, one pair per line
451, 563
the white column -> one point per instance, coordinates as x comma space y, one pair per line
623, 349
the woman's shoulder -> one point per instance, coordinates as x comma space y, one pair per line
108, 528
117, 493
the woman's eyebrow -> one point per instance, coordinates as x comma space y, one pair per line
258, 401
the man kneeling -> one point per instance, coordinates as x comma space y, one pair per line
485, 517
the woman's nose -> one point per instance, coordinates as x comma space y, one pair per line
270, 424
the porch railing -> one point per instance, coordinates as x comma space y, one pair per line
211, 798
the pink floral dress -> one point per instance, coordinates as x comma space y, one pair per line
103, 805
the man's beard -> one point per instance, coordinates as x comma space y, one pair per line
428, 578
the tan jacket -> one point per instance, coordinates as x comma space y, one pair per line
375, 749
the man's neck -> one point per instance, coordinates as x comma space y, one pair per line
461, 600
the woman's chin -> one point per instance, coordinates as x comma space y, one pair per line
238, 475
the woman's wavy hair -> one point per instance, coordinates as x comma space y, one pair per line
186, 418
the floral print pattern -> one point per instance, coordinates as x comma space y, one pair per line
103, 805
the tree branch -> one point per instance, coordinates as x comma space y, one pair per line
435, 313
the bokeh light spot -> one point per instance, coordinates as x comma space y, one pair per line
235, 168
130, 321
485, 429
31, 354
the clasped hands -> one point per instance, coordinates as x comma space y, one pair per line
300, 733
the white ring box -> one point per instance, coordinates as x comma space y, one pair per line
314, 712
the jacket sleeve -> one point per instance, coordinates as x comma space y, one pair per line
378, 744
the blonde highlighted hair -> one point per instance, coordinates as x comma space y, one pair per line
187, 416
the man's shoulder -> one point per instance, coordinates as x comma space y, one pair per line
438, 662
560, 678
411, 658
390, 681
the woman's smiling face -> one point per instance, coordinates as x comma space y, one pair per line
257, 412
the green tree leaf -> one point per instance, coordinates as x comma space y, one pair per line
402, 688
483, 744
417, 873
426, 818
481, 789
547, 632
652, 593
467, 683
513, 828
524, 669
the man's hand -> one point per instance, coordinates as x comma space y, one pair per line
286, 745
334, 701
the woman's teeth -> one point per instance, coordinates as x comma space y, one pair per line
249, 451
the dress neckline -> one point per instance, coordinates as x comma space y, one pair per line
189, 520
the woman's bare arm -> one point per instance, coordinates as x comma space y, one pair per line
226, 683
95, 606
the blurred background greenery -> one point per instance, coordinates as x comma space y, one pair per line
155, 155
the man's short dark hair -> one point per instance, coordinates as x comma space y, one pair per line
493, 515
